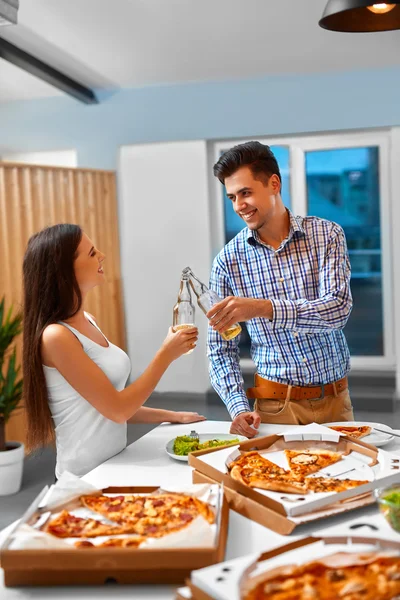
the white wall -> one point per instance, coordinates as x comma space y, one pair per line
164, 227
54, 158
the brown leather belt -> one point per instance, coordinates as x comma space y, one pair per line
265, 389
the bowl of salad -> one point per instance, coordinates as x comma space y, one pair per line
389, 504
180, 447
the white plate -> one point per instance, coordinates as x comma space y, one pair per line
376, 438
204, 437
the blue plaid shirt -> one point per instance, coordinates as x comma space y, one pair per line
307, 280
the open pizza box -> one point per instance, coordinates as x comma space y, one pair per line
32, 556
231, 580
282, 512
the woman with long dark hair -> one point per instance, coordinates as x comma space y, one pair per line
74, 378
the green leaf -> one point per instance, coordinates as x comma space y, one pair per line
10, 382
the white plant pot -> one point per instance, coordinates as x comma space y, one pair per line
11, 466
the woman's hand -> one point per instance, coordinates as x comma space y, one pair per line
187, 417
179, 342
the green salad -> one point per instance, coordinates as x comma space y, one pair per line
393, 497
390, 506
184, 444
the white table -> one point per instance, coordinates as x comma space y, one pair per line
145, 462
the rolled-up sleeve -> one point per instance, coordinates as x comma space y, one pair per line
224, 366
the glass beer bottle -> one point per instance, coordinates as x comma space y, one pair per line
184, 311
206, 298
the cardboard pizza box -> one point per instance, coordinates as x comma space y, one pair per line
268, 517
283, 512
91, 566
230, 579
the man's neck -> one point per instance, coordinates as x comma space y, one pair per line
276, 230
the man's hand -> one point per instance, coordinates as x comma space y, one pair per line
234, 309
241, 424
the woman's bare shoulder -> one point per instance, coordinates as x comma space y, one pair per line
58, 344
54, 334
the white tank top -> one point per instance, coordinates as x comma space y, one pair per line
84, 437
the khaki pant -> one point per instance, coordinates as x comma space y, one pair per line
301, 412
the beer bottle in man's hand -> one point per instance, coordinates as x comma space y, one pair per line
206, 298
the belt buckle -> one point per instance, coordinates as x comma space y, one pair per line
322, 393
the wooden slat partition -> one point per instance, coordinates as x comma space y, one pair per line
33, 197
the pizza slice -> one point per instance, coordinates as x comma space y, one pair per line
327, 484
257, 463
281, 481
116, 508
356, 432
305, 462
67, 525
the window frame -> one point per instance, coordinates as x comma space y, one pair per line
298, 146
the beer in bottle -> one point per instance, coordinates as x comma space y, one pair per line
184, 311
206, 298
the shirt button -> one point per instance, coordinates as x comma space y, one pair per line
281, 279
295, 333
304, 360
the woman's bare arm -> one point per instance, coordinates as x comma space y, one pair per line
69, 358
158, 415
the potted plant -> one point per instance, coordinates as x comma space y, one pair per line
11, 453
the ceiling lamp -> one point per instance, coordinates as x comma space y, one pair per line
360, 16
8, 12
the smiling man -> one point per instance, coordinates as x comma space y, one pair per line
288, 279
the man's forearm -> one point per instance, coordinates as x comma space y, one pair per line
264, 309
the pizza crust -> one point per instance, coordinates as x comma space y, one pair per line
279, 485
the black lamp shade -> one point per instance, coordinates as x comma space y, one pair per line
354, 16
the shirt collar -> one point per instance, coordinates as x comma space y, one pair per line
296, 225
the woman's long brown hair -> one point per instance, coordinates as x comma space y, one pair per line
51, 294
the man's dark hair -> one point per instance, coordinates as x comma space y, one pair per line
258, 157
